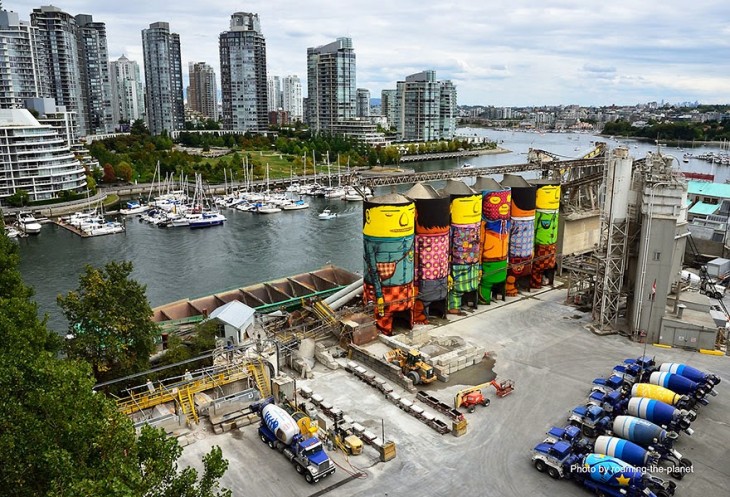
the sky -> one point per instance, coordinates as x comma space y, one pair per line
497, 52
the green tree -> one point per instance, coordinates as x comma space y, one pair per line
124, 171
19, 199
58, 437
91, 184
109, 316
139, 128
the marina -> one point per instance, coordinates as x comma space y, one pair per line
178, 264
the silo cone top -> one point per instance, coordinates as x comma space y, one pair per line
456, 187
514, 180
390, 199
422, 191
484, 184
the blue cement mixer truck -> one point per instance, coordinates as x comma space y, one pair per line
279, 431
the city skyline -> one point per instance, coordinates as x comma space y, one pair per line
565, 52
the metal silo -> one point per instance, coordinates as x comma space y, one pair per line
522, 231
496, 223
388, 239
431, 250
546, 231
465, 249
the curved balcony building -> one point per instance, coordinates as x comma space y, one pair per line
34, 158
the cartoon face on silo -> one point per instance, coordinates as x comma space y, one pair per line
548, 197
497, 205
389, 221
466, 210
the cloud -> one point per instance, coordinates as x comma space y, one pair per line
498, 52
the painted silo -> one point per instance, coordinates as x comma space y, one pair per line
496, 222
431, 251
388, 239
546, 231
465, 249
522, 231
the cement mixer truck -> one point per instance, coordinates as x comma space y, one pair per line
279, 431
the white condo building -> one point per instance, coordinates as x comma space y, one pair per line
34, 158
163, 78
20, 73
292, 98
273, 84
127, 91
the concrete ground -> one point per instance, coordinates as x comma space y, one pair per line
545, 348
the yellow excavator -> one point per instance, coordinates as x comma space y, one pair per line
412, 365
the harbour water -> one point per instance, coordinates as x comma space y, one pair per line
178, 263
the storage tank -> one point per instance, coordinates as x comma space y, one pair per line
522, 231
546, 232
496, 224
689, 372
388, 240
657, 412
618, 184
675, 383
465, 248
431, 250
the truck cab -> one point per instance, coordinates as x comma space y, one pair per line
555, 458
591, 418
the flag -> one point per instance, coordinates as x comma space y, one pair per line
652, 295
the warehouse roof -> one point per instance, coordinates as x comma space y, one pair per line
704, 209
719, 190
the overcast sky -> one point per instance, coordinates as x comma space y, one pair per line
497, 52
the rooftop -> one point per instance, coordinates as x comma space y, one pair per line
704, 209
719, 190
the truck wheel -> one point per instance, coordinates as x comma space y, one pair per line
661, 493
540, 465
300, 469
486, 402
271, 444
554, 474
472, 408
413, 375
308, 477
263, 439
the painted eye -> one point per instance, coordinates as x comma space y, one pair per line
495, 200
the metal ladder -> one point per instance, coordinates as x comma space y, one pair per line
258, 370
186, 400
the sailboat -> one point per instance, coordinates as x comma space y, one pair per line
203, 216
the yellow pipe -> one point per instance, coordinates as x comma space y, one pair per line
661, 345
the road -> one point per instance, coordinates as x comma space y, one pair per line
545, 348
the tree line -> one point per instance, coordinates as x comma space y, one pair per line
683, 131
58, 437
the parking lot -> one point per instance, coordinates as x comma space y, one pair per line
541, 344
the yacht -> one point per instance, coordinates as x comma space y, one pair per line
267, 209
327, 214
133, 207
205, 220
28, 223
295, 205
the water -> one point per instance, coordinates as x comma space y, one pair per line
179, 263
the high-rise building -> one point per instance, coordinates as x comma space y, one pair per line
203, 90
362, 103
389, 107
426, 108
61, 62
163, 78
292, 98
243, 74
127, 92
331, 84
273, 92
94, 70
20, 73
34, 158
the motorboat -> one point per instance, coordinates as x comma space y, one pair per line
466, 165
12, 232
295, 205
267, 209
108, 228
206, 220
28, 223
327, 214
133, 207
